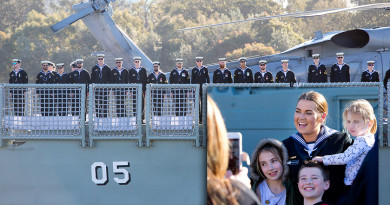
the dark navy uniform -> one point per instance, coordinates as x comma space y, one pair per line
243, 76
386, 79
224, 76
317, 74
139, 77
368, 76
18, 99
267, 78
62, 95
158, 95
177, 77
200, 76
101, 76
288, 78
79, 77
46, 95
120, 77
339, 75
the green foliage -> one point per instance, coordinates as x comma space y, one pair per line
153, 25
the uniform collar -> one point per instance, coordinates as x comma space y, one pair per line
373, 70
48, 72
325, 132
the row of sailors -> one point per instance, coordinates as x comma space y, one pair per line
101, 73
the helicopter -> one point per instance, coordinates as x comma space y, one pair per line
359, 45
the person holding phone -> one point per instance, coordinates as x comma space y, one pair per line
268, 171
222, 189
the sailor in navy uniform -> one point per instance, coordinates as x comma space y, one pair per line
285, 75
18, 76
46, 95
79, 76
370, 75
222, 74
61, 77
340, 71
138, 75
157, 77
120, 75
243, 74
101, 74
263, 76
200, 75
317, 71
52, 68
179, 76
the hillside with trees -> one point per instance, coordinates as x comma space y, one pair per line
153, 25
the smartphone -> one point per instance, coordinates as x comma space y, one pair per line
235, 151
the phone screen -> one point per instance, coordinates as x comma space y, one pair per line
234, 156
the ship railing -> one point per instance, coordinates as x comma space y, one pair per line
36, 111
115, 112
253, 87
172, 112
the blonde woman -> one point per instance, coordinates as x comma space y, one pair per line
222, 190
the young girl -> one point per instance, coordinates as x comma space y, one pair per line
268, 170
360, 121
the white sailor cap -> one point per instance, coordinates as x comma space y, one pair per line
72, 64
45, 62
118, 59
156, 62
199, 58
284, 61
137, 58
315, 55
60, 64
79, 60
100, 55
179, 59
262, 62
340, 54
242, 59
370, 62
222, 59
16, 60
51, 63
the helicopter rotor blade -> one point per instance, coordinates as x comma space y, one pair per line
298, 15
72, 18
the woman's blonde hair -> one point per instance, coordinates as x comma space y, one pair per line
219, 189
364, 108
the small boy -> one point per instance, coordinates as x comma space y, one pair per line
313, 181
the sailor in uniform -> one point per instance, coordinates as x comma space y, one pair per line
138, 75
285, 75
157, 77
61, 77
222, 74
79, 76
263, 76
179, 76
101, 74
370, 75
317, 71
120, 75
243, 74
18, 76
339, 72
46, 95
200, 75
52, 68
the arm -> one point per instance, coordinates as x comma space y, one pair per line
251, 77
207, 76
309, 80
352, 152
331, 74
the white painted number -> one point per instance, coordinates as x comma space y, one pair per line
94, 172
117, 168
